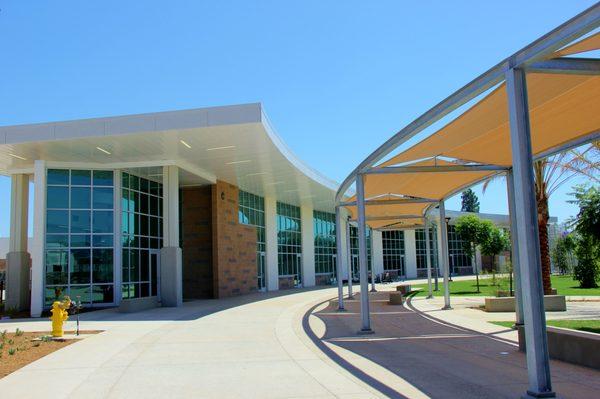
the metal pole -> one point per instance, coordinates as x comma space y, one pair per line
349, 251
444, 257
362, 256
538, 365
428, 259
372, 263
514, 244
338, 266
437, 266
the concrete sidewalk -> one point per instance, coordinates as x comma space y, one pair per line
247, 347
439, 359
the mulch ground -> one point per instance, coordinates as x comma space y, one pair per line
18, 350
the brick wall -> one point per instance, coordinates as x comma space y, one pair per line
233, 245
196, 242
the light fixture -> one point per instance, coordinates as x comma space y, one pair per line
155, 175
17, 156
185, 144
227, 147
237, 162
292, 191
274, 183
103, 150
256, 174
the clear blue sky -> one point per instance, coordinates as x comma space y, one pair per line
337, 78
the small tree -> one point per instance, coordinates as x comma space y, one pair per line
469, 228
562, 253
470, 202
587, 226
493, 241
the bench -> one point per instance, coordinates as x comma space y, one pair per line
396, 298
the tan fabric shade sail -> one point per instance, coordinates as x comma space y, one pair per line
563, 108
590, 43
431, 185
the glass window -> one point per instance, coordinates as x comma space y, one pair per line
78, 202
393, 252
57, 197
103, 240
80, 198
57, 221
325, 246
57, 264
56, 293
80, 222
103, 178
54, 241
80, 266
103, 198
80, 240
102, 265
289, 238
81, 178
103, 222
58, 176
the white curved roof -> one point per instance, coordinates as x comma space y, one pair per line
236, 144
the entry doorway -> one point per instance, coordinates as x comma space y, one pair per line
260, 264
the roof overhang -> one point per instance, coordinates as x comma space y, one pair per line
236, 144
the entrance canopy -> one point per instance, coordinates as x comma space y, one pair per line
235, 144
564, 111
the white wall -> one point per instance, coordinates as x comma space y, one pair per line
410, 254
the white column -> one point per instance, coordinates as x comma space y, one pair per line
308, 246
271, 259
17, 258
39, 236
538, 365
171, 291
410, 253
377, 251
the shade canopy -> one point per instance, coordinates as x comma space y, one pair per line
564, 111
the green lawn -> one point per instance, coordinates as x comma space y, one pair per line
581, 325
564, 284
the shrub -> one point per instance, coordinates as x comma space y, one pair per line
587, 270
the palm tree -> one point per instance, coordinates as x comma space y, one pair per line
551, 173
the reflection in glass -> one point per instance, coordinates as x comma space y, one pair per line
80, 266
80, 222
57, 197
80, 198
58, 176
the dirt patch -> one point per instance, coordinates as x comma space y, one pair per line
18, 349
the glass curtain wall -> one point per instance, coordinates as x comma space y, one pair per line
252, 212
393, 252
325, 247
289, 243
460, 263
79, 247
354, 251
422, 251
141, 226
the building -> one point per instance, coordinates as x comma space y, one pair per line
178, 205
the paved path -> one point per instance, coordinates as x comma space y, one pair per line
439, 359
246, 347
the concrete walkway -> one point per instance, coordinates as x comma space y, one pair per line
247, 347
438, 358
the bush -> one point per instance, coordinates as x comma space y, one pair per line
562, 253
587, 270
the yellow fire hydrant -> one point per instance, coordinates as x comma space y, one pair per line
59, 316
